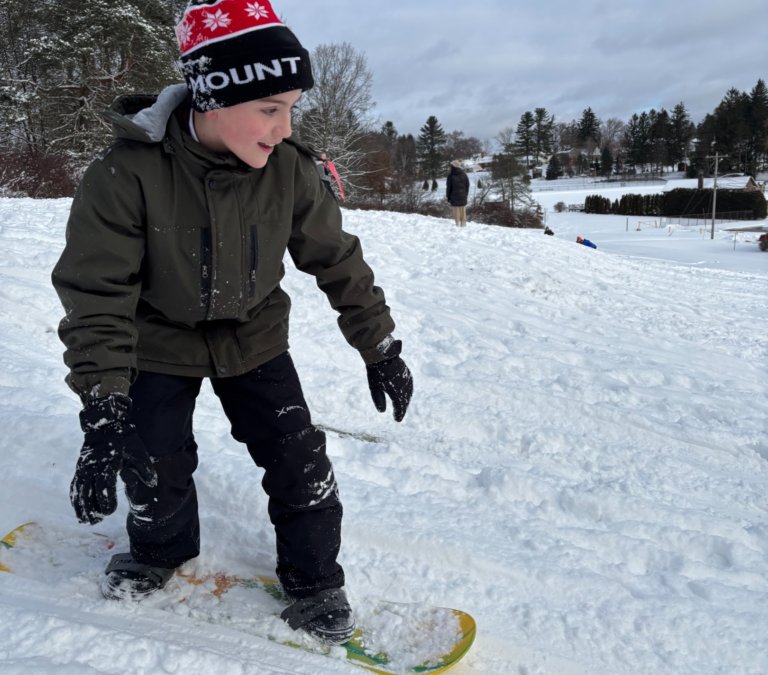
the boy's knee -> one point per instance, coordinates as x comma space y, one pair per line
298, 470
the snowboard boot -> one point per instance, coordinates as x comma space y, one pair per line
326, 616
128, 580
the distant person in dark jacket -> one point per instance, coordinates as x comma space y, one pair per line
457, 192
585, 242
548, 231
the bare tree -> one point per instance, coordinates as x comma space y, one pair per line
486, 147
506, 139
458, 146
335, 115
612, 131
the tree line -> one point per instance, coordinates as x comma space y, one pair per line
64, 61
652, 141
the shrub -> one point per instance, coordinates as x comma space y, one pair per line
683, 202
32, 174
597, 204
560, 207
498, 213
640, 205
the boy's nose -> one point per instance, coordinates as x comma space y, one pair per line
283, 130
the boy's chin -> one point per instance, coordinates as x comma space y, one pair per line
255, 159
256, 162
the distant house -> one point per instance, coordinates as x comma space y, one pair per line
478, 164
744, 183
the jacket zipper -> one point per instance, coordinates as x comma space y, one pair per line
254, 262
205, 266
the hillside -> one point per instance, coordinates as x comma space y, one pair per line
584, 467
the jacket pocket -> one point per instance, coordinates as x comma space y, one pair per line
254, 262
206, 260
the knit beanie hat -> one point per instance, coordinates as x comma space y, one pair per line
233, 51
457, 163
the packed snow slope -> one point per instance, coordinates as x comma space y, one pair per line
584, 466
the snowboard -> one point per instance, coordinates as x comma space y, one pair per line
392, 638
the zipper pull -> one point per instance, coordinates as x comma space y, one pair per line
253, 276
205, 271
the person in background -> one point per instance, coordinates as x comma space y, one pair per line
457, 192
548, 231
585, 242
325, 173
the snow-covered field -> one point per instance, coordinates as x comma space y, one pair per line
584, 467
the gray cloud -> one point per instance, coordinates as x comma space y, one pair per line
479, 65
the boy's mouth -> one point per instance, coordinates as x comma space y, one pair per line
267, 147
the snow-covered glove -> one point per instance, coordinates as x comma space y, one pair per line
392, 378
112, 446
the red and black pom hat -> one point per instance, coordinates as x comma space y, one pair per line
233, 51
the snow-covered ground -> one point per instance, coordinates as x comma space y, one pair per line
584, 467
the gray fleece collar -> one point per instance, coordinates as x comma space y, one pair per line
153, 120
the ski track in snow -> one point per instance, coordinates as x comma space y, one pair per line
584, 466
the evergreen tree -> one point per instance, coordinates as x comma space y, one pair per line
589, 128
637, 140
434, 185
389, 132
757, 124
511, 180
425, 187
554, 168
726, 131
660, 135
682, 131
542, 134
430, 145
606, 162
525, 138
63, 62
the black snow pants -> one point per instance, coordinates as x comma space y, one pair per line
268, 413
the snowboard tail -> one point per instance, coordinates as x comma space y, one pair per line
455, 631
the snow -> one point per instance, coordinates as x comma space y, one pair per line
659, 239
584, 466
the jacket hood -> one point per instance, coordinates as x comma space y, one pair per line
139, 117
456, 170
144, 118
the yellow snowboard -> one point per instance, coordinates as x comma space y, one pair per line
447, 633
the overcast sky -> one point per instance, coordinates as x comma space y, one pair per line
479, 64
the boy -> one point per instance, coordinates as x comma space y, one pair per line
171, 274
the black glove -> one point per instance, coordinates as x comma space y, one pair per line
392, 378
111, 446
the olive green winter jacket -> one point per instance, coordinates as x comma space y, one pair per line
174, 256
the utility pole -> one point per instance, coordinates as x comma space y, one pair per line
714, 192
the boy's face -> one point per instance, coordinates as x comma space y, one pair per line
251, 130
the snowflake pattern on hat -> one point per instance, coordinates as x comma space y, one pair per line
257, 11
218, 20
234, 51
184, 32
